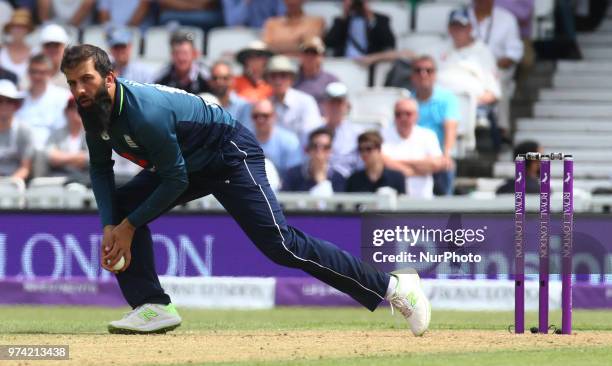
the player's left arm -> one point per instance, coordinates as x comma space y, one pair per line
160, 142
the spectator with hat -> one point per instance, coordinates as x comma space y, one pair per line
311, 78
15, 54
280, 145
184, 72
54, 39
359, 31
221, 87
251, 85
16, 150
43, 107
76, 13
295, 110
66, 151
284, 34
344, 158
375, 175
120, 44
251, 13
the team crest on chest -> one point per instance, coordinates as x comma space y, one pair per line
130, 142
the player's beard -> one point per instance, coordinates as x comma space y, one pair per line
97, 117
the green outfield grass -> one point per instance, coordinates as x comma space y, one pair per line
86, 322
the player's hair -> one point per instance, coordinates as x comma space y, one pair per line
41, 59
179, 37
320, 131
75, 55
372, 137
425, 57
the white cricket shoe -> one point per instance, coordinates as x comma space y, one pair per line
147, 319
410, 300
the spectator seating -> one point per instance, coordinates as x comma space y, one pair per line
157, 42
422, 42
352, 74
543, 19
375, 105
12, 192
397, 11
96, 35
226, 41
328, 10
6, 12
433, 17
381, 69
466, 130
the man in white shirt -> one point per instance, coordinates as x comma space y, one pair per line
499, 30
295, 110
467, 63
412, 150
43, 107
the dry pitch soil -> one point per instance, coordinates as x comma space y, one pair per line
218, 346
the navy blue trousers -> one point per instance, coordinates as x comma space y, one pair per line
238, 180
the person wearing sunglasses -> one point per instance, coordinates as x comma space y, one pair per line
315, 175
375, 175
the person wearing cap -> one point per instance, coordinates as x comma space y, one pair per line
251, 13
344, 158
284, 34
438, 111
220, 83
16, 150
43, 107
468, 65
184, 72
315, 175
66, 150
54, 39
251, 85
295, 110
15, 54
119, 41
359, 31
374, 175
189, 149
280, 145
311, 78
77, 13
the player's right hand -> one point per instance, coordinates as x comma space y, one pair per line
107, 243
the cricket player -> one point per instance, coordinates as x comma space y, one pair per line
190, 148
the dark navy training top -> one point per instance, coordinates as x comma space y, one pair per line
163, 129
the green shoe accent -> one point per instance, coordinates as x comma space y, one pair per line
171, 309
147, 315
412, 299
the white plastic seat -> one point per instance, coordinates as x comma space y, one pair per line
381, 69
227, 41
397, 11
6, 12
466, 129
328, 10
422, 42
433, 17
157, 41
543, 18
46, 192
12, 192
96, 35
376, 103
352, 74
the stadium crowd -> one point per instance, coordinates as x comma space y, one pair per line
299, 112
